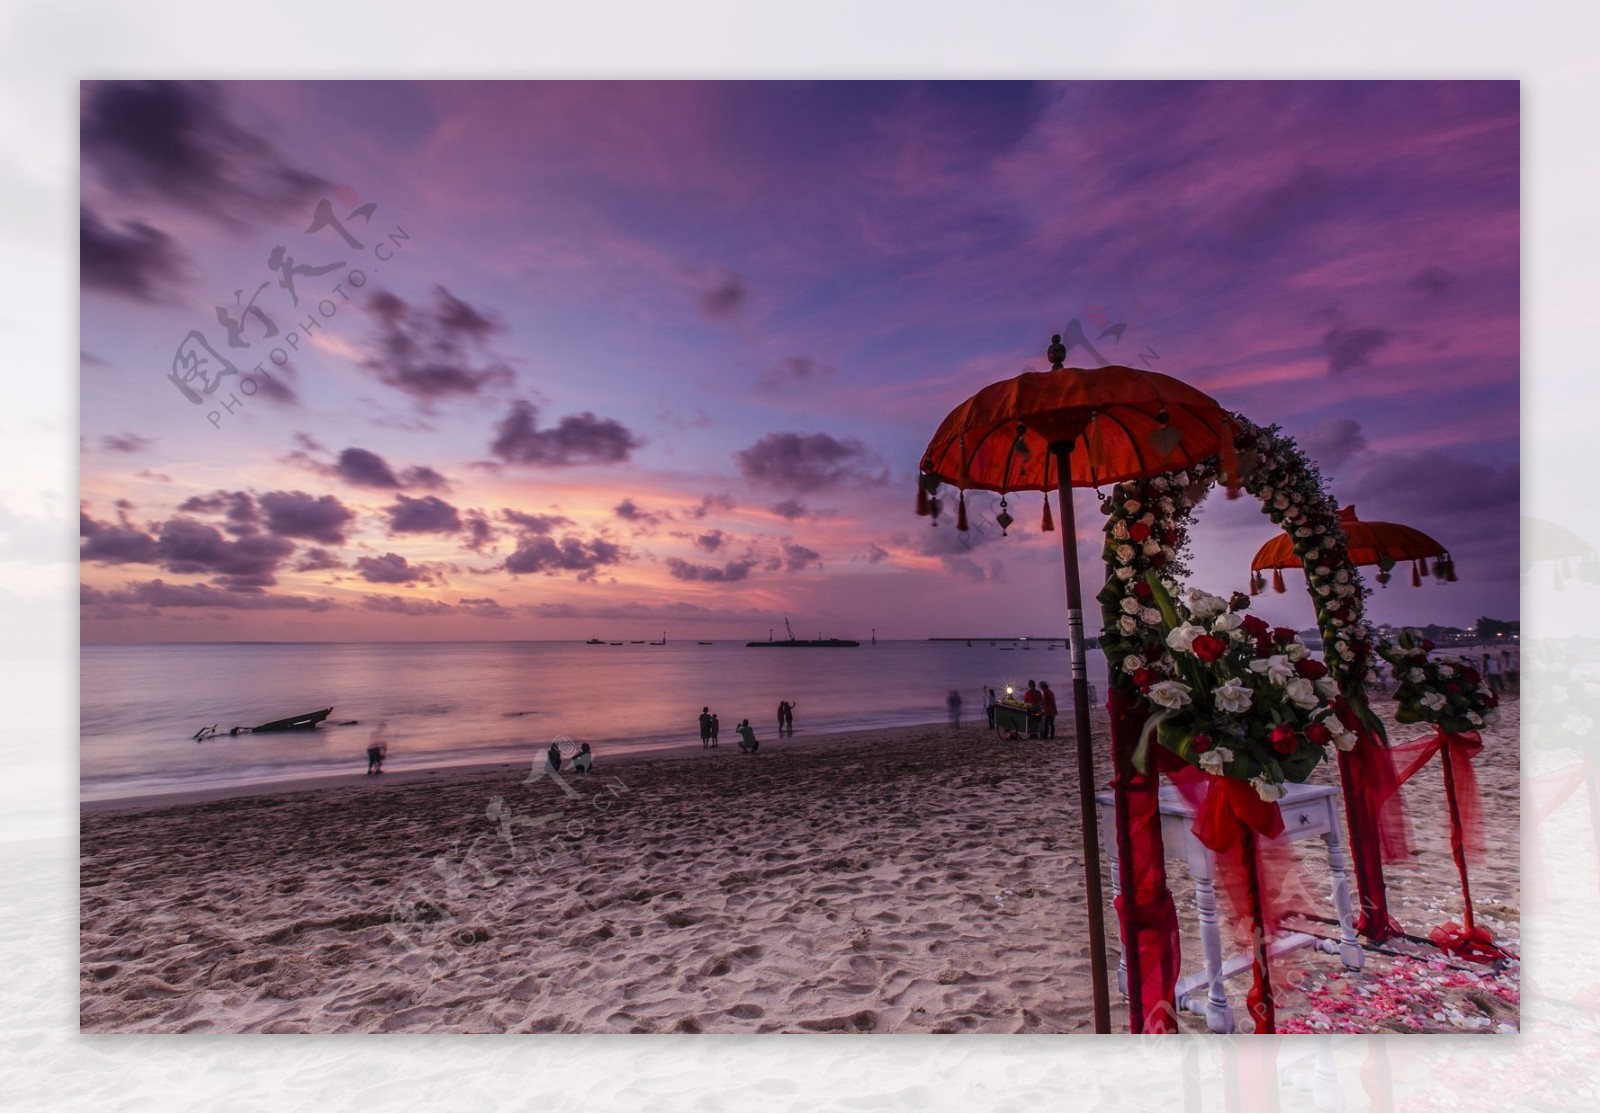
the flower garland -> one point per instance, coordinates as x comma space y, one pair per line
1291, 492
1246, 702
1445, 691
1147, 534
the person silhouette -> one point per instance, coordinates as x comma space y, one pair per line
705, 727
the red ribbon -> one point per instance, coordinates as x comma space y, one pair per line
1145, 911
1373, 810
1230, 819
1466, 832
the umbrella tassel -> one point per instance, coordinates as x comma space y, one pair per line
1257, 583
1049, 524
1424, 566
1416, 576
961, 513
1450, 567
923, 510
1278, 585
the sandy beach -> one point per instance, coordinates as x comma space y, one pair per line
918, 880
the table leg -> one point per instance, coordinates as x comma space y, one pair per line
1219, 1013
1350, 952
1107, 822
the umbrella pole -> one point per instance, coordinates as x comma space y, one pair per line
1080, 717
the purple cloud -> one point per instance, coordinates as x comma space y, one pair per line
126, 442
391, 568
804, 462
294, 514
175, 141
427, 515
137, 262
723, 297
680, 569
541, 554
434, 352
575, 439
158, 593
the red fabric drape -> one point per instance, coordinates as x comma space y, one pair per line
1468, 940
1145, 910
1231, 819
1373, 810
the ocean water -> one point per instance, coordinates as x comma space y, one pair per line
464, 703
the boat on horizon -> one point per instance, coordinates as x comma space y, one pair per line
595, 642
792, 641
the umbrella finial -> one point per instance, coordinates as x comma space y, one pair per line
1056, 353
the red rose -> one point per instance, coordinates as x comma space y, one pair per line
1284, 739
1139, 531
1283, 635
1452, 687
1155, 651
1169, 537
1426, 644
1142, 590
1255, 627
1143, 678
1471, 676
1158, 561
1208, 647
1491, 701
1310, 668
1202, 743
1238, 602
1319, 734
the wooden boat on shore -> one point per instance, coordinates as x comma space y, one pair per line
294, 723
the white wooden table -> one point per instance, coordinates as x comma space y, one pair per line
1308, 811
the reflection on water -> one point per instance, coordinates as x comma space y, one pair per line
468, 702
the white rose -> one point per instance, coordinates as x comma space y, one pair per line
1203, 605
1294, 651
1302, 693
1159, 483
1433, 701
1181, 479
1213, 760
1132, 663
1324, 590
1165, 504
1268, 790
1181, 638
1342, 575
1280, 502
1119, 530
1151, 547
1131, 506
1127, 624
1446, 671
1276, 667
1170, 694
1327, 687
1475, 719
1324, 570
1232, 696
1344, 740
1150, 617
1130, 605
1227, 621
1124, 553
1415, 676
1266, 493
1124, 572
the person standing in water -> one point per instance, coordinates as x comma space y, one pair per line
553, 758
716, 728
705, 727
1049, 695
953, 702
376, 750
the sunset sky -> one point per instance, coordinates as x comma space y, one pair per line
627, 358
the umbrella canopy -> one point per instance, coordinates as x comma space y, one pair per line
1371, 543
1056, 430
1126, 424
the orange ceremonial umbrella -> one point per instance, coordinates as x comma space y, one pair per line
1053, 431
1384, 544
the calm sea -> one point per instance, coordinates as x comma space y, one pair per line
463, 703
